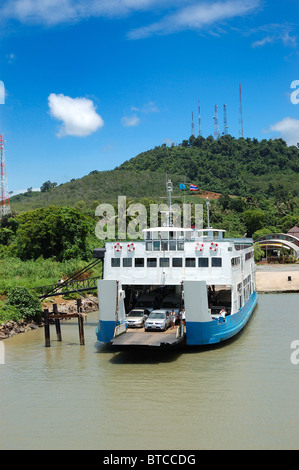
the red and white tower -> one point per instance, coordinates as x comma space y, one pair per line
4, 202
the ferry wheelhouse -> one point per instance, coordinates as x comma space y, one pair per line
213, 277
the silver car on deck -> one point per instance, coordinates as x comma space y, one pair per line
158, 320
137, 317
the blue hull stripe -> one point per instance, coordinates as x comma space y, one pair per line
198, 333
105, 331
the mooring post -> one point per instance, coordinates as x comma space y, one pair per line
47, 328
57, 323
81, 329
80, 322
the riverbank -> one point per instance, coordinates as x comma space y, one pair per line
277, 278
274, 278
11, 328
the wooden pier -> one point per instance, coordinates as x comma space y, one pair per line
56, 316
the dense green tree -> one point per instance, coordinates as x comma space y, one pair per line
253, 220
47, 186
58, 232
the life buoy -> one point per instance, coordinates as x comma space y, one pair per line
131, 247
214, 246
199, 246
118, 247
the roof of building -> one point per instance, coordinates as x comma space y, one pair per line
295, 229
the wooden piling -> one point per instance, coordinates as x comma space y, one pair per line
47, 328
81, 329
63, 316
57, 323
80, 322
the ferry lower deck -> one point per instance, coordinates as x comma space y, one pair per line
139, 338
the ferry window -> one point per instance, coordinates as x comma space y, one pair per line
164, 245
177, 262
163, 235
149, 246
171, 235
235, 261
180, 245
151, 262
190, 263
127, 262
164, 262
172, 245
156, 245
115, 262
148, 235
216, 262
248, 255
203, 262
139, 262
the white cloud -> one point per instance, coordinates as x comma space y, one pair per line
52, 12
78, 115
130, 121
263, 42
288, 129
134, 120
196, 17
281, 33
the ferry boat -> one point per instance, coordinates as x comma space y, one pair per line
212, 277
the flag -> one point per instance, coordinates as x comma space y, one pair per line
193, 187
182, 186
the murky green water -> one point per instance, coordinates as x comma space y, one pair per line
242, 395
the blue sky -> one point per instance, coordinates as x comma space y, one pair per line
90, 84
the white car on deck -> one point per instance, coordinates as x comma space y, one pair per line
158, 320
137, 317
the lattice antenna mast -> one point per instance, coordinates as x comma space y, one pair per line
216, 123
4, 202
241, 134
199, 120
192, 126
225, 126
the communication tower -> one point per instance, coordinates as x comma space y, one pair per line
225, 126
216, 123
192, 126
199, 120
4, 203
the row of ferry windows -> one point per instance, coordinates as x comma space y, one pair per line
165, 245
165, 262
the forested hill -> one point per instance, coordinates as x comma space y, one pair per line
264, 171
227, 165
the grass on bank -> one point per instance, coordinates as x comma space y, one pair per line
17, 274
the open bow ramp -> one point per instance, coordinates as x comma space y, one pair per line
169, 338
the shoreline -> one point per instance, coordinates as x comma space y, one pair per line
270, 279
277, 278
11, 328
